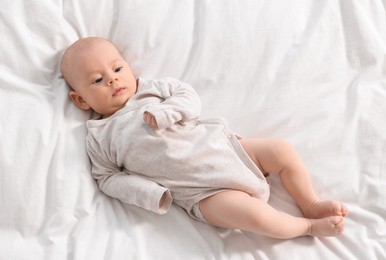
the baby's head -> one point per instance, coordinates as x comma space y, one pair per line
99, 76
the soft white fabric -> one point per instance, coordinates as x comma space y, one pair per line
310, 71
185, 158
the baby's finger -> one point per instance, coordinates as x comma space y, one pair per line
147, 117
153, 122
150, 119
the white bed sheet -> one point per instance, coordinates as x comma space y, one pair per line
310, 71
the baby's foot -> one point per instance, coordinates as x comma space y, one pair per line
326, 208
329, 226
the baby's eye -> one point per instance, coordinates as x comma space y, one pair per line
118, 69
98, 80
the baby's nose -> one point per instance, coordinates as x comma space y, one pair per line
110, 82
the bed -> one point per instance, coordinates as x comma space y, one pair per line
309, 71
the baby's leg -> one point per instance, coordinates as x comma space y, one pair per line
236, 209
278, 156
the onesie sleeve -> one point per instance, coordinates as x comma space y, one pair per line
128, 188
181, 102
136, 190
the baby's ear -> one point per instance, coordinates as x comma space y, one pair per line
78, 100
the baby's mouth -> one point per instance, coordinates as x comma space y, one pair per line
118, 91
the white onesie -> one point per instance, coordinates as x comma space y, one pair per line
185, 158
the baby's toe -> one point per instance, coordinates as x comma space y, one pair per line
339, 209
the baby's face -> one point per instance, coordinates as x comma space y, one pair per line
102, 78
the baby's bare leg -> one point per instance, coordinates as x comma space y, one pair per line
278, 156
236, 209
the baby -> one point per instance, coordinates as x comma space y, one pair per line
149, 148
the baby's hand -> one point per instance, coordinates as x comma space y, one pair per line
150, 119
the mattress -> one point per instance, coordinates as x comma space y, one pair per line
308, 71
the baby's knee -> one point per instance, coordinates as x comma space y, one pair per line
281, 149
280, 146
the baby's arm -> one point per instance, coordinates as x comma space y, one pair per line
136, 190
181, 103
128, 188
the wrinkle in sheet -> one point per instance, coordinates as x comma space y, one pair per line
275, 63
